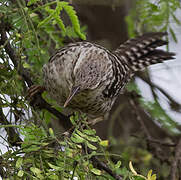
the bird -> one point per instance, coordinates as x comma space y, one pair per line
88, 78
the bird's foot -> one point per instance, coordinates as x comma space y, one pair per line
33, 92
35, 89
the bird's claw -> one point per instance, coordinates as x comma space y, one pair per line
34, 90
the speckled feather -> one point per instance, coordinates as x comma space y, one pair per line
101, 74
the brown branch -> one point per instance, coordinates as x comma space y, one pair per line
100, 165
152, 140
175, 162
40, 102
103, 166
134, 105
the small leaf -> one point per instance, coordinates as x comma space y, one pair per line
150, 176
60, 24
55, 167
96, 171
80, 133
33, 15
72, 120
76, 138
89, 132
53, 177
89, 138
35, 170
19, 162
74, 19
118, 164
20, 173
26, 65
91, 146
47, 116
51, 132
104, 143
31, 148
92, 139
30, 2
153, 177
46, 20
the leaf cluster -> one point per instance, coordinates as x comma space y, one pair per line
148, 16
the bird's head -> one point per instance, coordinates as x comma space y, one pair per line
85, 78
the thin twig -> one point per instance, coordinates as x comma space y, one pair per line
152, 140
138, 117
175, 162
101, 165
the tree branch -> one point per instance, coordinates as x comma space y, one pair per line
102, 166
152, 143
177, 158
40, 102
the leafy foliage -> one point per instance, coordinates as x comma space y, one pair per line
153, 16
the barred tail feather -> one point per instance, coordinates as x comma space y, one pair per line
141, 52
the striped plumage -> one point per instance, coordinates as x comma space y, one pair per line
92, 77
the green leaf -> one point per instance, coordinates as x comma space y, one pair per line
51, 132
92, 139
31, 148
96, 171
89, 132
91, 146
118, 164
104, 143
47, 116
89, 138
20, 173
26, 65
74, 19
55, 167
35, 170
30, 2
19, 162
60, 24
76, 138
72, 120
46, 20
150, 176
53, 177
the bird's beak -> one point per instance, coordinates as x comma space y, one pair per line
73, 92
